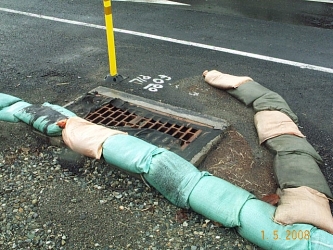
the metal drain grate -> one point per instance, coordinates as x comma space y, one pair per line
109, 115
184, 132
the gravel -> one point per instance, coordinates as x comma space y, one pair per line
52, 198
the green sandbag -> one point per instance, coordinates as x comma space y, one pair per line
44, 117
248, 92
7, 100
273, 101
321, 240
173, 177
299, 169
7, 114
258, 227
219, 200
292, 144
129, 153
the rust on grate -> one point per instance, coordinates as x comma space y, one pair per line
112, 116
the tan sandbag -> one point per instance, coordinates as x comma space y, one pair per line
224, 81
85, 137
304, 205
270, 124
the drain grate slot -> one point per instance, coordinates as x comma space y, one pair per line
110, 115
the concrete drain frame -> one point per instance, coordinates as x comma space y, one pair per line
188, 134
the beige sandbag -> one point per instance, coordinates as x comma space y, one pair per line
270, 124
85, 137
224, 81
304, 205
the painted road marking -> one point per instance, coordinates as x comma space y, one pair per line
320, 1
183, 42
155, 83
153, 1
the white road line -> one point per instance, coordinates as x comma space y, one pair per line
153, 1
320, 1
188, 43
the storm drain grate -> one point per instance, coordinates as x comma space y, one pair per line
109, 115
184, 132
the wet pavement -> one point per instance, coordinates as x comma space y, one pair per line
296, 12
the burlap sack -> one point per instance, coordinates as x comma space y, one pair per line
224, 81
270, 124
85, 137
304, 205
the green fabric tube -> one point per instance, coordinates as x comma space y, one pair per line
44, 117
321, 240
299, 169
173, 177
7, 100
258, 227
7, 113
273, 101
248, 92
292, 144
219, 200
129, 153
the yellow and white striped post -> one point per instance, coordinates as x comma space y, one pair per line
113, 76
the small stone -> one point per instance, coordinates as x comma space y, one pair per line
118, 196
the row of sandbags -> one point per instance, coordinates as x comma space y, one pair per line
296, 161
304, 192
187, 187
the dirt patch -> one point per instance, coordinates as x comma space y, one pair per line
234, 160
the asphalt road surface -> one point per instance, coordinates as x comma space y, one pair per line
56, 50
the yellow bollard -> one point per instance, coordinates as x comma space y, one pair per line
111, 44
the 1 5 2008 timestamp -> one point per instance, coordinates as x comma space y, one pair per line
286, 235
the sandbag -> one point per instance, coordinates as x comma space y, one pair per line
44, 117
258, 227
273, 101
224, 81
129, 153
248, 92
7, 113
7, 100
295, 170
292, 144
219, 200
86, 138
304, 205
270, 124
173, 177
